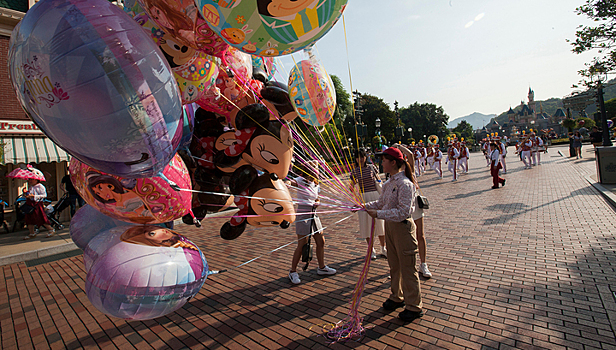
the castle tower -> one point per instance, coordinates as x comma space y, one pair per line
531, 102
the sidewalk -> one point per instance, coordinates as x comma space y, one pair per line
527, 266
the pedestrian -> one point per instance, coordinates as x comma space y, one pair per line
395, 206
526, 147
37, 217
438, 157
596, 137
495, 165
418, 217
577, 144
306, 221
74, 198
366, 178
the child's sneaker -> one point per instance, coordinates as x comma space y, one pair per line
326, 270
294, 277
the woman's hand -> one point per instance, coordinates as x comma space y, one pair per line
371, 212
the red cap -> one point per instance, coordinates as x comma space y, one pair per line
395, 153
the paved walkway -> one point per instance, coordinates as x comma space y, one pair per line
530, 265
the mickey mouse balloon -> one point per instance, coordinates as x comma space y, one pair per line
97, 85
271, 27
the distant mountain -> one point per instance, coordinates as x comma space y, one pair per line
477, 120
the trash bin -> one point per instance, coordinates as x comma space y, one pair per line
606, 164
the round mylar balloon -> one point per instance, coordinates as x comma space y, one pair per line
96, 84
144, 272
181, 20
194, 71
271, 27
312, 92
141, 200
89, 222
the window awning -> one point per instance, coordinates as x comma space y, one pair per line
19, 149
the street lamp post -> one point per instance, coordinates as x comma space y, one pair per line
410, 130
599, 76
399, 131
377, 123
360, 128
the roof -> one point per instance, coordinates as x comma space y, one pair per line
510, 111
560, 113
17, 5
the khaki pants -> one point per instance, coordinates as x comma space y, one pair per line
402, 251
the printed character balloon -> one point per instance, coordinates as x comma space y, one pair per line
181, 20
89, 222
194, 71
234, 85
263, 68
271, 27
143, 272
94, 82
263, 201
141, 200
263, 143
312, 92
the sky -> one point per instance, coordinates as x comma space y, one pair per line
464, 55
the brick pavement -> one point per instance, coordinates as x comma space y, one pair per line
530, 265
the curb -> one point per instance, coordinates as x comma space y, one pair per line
35, 254
607, 194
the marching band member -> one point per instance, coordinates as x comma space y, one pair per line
526, 146
495, 165
438, 156
503, 153
452, 159
430, 156
417, 155
464, 155
535, 153
484, 149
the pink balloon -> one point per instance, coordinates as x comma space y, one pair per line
142, 200
181, 20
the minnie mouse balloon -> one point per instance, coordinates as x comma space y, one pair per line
312, 92
97, 85
144, 272
137, 200
271, 27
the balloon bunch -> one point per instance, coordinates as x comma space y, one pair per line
160, 101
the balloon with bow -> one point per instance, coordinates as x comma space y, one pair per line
138, 200
269, 28
95, 84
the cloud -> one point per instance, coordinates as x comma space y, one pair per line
479, 16
469, 24
414, 17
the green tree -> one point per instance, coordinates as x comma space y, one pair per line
610, 108
588, 123
601, 36
425, 119
569, 124
465, 130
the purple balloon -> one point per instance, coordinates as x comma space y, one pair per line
610, 123
97, 85
144, 272
89, 222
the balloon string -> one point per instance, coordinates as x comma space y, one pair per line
351, 327
213, 272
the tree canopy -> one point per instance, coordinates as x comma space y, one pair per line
425, 119
600, 37
464, 130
